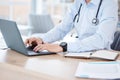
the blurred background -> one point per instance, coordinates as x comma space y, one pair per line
31, 14
34, 16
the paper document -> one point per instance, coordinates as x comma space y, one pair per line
99, 70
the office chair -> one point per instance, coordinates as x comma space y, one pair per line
40, 23
116, 43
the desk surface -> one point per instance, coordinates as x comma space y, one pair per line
15, 66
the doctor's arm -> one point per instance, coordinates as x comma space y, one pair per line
59, 31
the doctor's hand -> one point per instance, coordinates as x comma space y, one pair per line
49, 47
33, 41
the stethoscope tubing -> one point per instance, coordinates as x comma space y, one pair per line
95, 21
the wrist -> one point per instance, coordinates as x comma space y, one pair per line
60, 49
42, 42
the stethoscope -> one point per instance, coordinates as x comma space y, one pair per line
95, 21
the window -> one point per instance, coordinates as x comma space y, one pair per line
17, 10
56, 8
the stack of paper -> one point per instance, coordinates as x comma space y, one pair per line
99, 70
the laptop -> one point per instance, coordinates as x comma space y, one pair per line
14, 40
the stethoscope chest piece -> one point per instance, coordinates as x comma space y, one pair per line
95, 21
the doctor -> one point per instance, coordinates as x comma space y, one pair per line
95, 23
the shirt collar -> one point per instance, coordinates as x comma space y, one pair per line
94, 2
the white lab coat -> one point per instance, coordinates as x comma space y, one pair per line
90, 37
